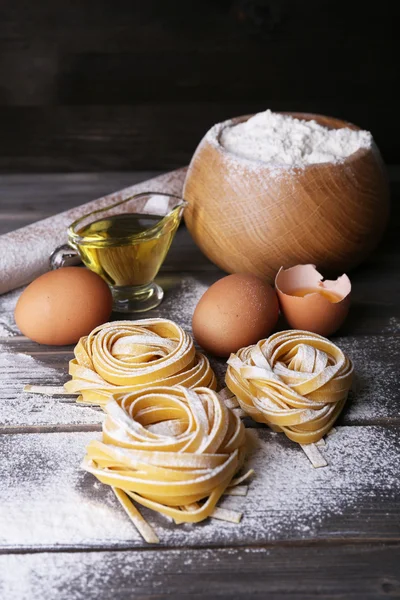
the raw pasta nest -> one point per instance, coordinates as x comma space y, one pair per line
294, 381
173, 450
125, 356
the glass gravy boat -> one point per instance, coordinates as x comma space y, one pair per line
126, 244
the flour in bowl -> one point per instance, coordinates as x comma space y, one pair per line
279, 139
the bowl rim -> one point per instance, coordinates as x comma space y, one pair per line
218, 128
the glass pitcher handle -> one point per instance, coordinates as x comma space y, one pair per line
64, 256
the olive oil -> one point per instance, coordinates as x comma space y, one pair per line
127, 249
328, 294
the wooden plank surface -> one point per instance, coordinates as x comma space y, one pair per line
345, 572
299, 528
375, 398
27, 198
49, 502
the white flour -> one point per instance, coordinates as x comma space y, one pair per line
5, 331
181, 300
91, 575
283, 140
48, 500
18, 409
8, 303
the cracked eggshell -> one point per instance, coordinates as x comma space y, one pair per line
312, 312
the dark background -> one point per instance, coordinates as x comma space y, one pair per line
112, 84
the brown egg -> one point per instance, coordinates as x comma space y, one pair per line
236, 311
61, 306
311, 304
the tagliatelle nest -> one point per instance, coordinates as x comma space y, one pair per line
295, 381
171, 449
125, 356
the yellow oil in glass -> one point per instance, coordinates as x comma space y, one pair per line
127, 249
328, 294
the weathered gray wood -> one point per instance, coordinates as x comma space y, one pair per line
350, 572
374, 400
47, 503
35, 196
50, 503
20, 411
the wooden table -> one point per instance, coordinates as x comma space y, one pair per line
326, 533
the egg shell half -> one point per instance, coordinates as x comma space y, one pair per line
61, 306
236, 311
312, 312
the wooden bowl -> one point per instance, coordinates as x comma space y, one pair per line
252, 217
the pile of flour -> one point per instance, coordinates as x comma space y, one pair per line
282, 140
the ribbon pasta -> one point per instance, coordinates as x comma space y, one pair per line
294, 381
125, 356
171, 449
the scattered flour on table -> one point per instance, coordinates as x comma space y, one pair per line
5, 332
393, 326
18, 409
180, 302
289, 498
179, 306
8, 303
29, 410
49, 500
363, 462
375, 393
283, 140
376, 381
16, 369
47, 576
